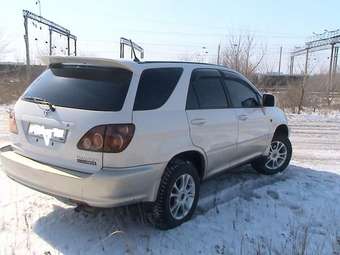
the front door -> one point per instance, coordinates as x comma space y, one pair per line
213, 125
253, 131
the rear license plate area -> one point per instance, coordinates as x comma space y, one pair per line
48, 134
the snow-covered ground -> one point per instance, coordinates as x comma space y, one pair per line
240, 212
3, 123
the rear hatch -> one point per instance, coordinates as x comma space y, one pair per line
61, 105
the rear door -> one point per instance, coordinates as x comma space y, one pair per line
253, 123
213, 125
83, 97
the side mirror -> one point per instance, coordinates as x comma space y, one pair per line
268, 100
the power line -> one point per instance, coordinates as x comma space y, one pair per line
201, 25
209, 34
272, 48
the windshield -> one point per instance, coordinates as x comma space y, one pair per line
82, 87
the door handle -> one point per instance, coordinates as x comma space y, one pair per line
198, 122
243, 117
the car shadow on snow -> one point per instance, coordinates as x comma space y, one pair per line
126, 229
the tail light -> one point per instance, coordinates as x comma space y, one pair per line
12, 124
107, 138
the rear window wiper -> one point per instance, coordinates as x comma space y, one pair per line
39, 100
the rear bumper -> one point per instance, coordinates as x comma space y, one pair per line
106, 188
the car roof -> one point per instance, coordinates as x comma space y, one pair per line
179, 62
121, 63
134, 65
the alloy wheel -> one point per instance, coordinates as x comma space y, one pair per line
182, 196
277, 155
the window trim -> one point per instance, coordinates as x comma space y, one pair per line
155, 68
218, 77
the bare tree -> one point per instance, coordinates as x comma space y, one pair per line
196, 57
242, 54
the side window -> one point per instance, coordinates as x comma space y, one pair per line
206, 91
241, 95
155, 87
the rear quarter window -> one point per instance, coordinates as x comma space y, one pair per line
155, 87
82, 87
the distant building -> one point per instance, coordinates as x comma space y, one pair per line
12, 63
276, 80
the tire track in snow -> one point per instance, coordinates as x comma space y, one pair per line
310, 134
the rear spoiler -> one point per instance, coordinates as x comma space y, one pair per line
50, 60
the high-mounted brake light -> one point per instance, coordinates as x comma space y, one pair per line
112, 138
12, 124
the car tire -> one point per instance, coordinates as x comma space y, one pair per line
279, 146
171, 199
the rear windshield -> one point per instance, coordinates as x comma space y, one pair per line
82, 87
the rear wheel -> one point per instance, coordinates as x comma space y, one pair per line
278, 159
177, 195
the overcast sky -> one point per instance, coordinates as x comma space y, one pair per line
169, 29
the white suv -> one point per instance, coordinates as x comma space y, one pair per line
108, 133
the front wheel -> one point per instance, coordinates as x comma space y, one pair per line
177, 196
278, 159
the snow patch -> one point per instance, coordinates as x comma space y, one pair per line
240, 212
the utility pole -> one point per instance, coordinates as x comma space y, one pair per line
321, 42
291, 66
124, 41
335, 62
68, 46
247, 62
75, 47
236, 57
335, 67
38, 2
330, 75
50, 45
53, 27
28, 62
280, 60
304, 82
204, 53
218, 53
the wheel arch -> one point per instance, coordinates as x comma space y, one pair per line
197, 158
281, 130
